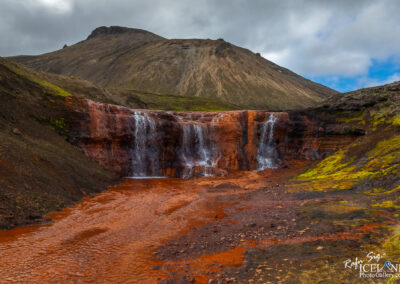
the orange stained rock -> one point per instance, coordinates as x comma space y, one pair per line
107, 134
107, 238
200, 267
112, 236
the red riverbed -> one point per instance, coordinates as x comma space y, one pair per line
116, 236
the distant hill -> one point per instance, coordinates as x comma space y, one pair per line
145, 63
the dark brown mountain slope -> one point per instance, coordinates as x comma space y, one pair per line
146, 63
39, 170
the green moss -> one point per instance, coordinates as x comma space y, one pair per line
335, 168
55, 89
51, 88
338, 208
396, 120
342, 171
358, 119
57, 125
392, 244
381, 160
387, 204
386, 113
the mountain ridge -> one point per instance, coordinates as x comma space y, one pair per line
119, 57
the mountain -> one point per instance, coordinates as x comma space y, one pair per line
149, 65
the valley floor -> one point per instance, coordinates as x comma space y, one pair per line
250, 227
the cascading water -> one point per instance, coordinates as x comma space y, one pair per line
196, 150
267, 155
144, 143
145, 155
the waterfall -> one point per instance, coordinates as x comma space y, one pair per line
267, 155
145, 154
196, 150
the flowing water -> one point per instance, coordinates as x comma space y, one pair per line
267, 155
196, 150
145, 156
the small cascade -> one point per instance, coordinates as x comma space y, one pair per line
145, 153
145, 143
196, 150
267, 156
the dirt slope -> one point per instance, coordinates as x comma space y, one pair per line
39, 170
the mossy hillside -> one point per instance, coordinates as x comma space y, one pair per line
343, 169
24, 74
371, 108
364, 180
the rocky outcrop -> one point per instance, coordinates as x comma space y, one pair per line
140, 143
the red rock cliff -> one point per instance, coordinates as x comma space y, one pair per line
183, 144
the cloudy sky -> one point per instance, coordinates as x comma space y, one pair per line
345, 44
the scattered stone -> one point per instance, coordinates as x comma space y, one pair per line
16, 131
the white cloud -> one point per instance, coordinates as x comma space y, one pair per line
57, 6
368, 82
311, 37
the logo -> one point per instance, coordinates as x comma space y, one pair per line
374, 266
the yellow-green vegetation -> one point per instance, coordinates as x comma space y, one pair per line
337, 208
342, 170
386, 113
55, 89
388, 204
392, 244
396, 120
51, 88
57, 125
382, 191
336, 168
357, 119
391, 248
178, 103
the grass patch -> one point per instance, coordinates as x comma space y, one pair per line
57, 125
49, 87
178, 103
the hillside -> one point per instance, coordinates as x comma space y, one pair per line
40, 171
144, 63
364, 183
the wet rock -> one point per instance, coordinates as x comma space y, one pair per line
186, 144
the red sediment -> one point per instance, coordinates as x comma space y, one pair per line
200, 268
106, 134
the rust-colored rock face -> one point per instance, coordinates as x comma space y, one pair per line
185, 144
